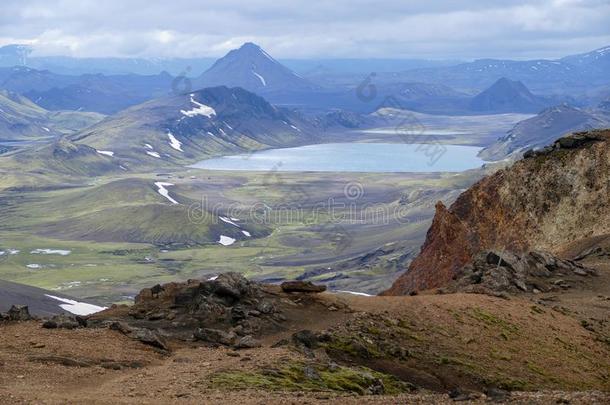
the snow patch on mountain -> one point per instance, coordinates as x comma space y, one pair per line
200, 109
51, 252
226, 241
353, 293
174, 143
165, 192
228, 221
261, 78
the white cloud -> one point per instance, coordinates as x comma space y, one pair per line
300, 28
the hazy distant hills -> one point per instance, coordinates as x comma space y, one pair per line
570, 74
21, 119
253, 69
104, 94
19, 55
544, 129
597, 61
98, 93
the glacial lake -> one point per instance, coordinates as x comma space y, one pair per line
353, 157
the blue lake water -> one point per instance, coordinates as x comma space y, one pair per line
353, 157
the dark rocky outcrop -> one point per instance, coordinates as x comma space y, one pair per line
17, 313
64, 321
302, 287
504, 272
230, 311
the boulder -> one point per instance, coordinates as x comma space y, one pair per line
215, 336
302, 287
19, 313
62, 321
247, 342
145, 336
306, 338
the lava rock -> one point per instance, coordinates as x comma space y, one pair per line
302, 287
311, 373
19, 313
215, 336
493, 272
145, 336
265, 307
306, 338
497, 394
458, 394
247, 342
61, 322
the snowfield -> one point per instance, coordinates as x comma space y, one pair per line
153, 154
105, 152
75, 307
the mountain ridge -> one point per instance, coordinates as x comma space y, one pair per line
545, 201
544, 128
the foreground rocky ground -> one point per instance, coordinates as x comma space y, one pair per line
232, 340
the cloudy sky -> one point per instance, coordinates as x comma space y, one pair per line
304, 28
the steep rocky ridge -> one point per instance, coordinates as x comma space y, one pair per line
544, 202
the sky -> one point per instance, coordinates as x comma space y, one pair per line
430, 29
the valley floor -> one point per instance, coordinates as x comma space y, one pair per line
114, 233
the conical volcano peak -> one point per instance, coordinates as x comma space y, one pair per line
253, 69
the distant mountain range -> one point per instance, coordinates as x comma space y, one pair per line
21, 119
581, 80
572, 74
20, 55
99, 93
597, 60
